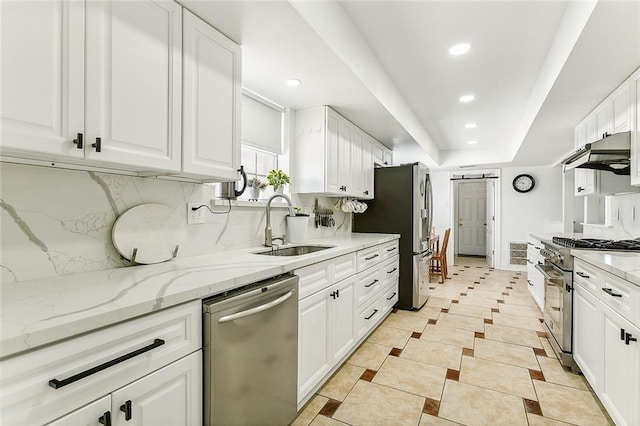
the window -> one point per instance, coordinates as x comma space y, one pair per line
261, 151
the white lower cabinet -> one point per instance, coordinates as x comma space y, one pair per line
535, 279
619, 391
341, 304
605, 344
586, 348
169, 396
338, 309
154, 361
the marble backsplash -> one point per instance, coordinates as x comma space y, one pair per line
623, 219
57, 222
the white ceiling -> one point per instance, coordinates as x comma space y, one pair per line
385, 65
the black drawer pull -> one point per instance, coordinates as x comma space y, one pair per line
371, 257
392, 271
97, 145
610, 292
392, 296
371, 283
126, 409
530, 283
629, 338
391, 249
105, 419
78, 141
582, 274
622, 333
57, 384
375, 311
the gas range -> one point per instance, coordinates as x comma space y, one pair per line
598, 244
558, 250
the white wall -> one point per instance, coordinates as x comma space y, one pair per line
58, 222
537, 211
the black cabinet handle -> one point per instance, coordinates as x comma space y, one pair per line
528, 261
530, 283
582, 274
78, 141
371, 283
375, 311
97, 145
391, 249
366, 192
622, 333
57, 384
126, 409
392, 271
629, 338
580, 189
332, 294
530, 243
537, 248
610, 292
337, 293
371, 257
392, 296
105, 419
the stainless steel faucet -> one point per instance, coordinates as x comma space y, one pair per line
268, 237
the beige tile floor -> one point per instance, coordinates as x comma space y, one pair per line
475, 354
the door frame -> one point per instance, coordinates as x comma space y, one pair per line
454, 179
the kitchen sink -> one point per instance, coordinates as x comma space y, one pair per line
293, 251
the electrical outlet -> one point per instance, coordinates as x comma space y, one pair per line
195, 216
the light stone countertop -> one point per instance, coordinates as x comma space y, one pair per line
625, 265
35, 313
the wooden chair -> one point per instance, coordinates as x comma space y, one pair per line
439, 259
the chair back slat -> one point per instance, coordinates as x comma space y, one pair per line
445, 240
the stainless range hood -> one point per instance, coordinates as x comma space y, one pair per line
611, 153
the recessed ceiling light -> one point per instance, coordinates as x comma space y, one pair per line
473, 142
467, 98
293, 82
471, 125
459, 49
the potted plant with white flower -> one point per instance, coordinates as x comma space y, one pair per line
255, 185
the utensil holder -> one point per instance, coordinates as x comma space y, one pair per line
297, 228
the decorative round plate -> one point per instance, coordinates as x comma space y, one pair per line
148, 233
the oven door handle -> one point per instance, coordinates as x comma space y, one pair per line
544, 273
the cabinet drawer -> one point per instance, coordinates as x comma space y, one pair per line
367, 283
389, 270
388, 250
369, 257
368, 316
313, 278
621, 296
389, 296
587, 276
343, 267
26, 392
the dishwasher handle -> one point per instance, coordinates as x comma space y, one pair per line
261, 308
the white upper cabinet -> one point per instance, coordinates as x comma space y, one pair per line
133, 90
211, 103
367, 166
617, 113
634, 84
621, 109
42, 78
100, 84
332, 155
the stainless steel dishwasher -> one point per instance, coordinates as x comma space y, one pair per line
251, 354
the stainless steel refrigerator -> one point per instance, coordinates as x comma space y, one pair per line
403, 205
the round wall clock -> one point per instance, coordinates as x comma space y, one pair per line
524, 183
